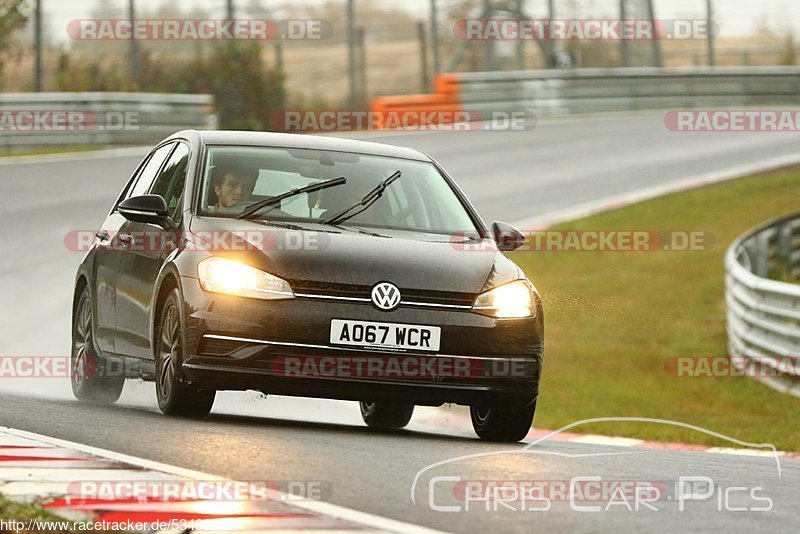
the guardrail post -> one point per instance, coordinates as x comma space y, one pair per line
784, 242
792, 246
762, 263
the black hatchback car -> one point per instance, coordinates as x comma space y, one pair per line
307, 266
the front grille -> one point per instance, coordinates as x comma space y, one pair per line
362, 291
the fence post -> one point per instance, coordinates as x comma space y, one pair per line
423, 62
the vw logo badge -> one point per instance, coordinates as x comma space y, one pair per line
386, 296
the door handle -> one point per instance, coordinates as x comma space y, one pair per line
102, 235
126, 239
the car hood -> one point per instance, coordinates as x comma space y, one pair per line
363, 257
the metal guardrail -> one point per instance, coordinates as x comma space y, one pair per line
562, 92
763, 314
99, 118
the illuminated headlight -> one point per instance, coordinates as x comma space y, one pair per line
219, 275
512, 300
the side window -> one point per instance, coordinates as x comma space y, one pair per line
171, 180
149, 171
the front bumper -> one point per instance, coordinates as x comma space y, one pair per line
282, 347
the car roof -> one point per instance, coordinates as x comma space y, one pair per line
316, 142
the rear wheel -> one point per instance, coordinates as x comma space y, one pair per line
89, 373
502, 423
386, 415
175, 394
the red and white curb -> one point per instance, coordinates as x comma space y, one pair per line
46, 471
594, 439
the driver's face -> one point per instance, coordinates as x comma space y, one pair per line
231, 191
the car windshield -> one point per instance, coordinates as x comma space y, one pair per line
419, 200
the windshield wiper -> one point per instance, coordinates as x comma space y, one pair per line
355, 229
261, 204
368, 200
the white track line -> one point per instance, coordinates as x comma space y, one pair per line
319, 507
595, 439
745, 452
626, 199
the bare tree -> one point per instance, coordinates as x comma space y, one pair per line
12, 17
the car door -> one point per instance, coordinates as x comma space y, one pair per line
129, 240
105, 269
108, 254
152, 245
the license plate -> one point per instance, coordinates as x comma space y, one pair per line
390, 335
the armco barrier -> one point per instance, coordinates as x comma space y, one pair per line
99, 118
763, 314
565, 92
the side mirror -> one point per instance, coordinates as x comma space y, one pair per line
507, 237
151, 209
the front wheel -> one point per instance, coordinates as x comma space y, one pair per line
90, 376
386, 415
175, 394
506, 424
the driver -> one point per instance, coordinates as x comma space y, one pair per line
232, 185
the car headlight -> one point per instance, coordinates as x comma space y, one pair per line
513, 300
220, 275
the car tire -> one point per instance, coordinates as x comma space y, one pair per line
89, 373
507, 424
175, 394
386, 415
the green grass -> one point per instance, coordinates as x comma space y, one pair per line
39, 151
613, 319
24, 512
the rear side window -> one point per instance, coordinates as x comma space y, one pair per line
148, 174
172, 179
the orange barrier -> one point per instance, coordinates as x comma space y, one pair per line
441, 107
447, 84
